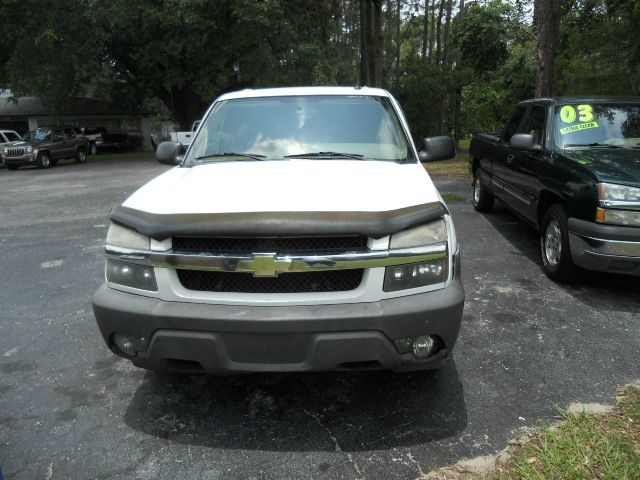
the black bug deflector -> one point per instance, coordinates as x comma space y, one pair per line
264, 224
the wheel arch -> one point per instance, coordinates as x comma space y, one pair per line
546, 199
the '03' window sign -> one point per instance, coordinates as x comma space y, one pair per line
581, 113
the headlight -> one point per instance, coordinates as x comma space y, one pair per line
131, 275
618, 217
122, 237
414, 275
429, 234
618, 193
29, 149
620, 203
4, 150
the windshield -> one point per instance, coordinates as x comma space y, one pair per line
37, 135
598, 124
279, 127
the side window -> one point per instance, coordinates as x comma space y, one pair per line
513, 124
58, 136
70, 133
534, 123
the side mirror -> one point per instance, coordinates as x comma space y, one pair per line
169, 153
437, 148
524, 141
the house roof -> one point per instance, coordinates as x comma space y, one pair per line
34, 106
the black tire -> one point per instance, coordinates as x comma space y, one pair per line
12, 167
93, 149
482, 198
81, 156
555, 248
44, 160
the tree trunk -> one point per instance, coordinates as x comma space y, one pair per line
398, 21
425, 31
438, 33
365, 29
458, 104
371, 42
447, 25
432, 32
546, 19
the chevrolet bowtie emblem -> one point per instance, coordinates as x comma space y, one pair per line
268, 265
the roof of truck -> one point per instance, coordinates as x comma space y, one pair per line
302, 91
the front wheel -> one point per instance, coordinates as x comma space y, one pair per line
81, 156
93, 149
482, 198
555, 248
44, 160
12, 167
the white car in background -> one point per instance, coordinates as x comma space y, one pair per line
8, 136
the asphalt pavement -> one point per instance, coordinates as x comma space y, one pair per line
69, 409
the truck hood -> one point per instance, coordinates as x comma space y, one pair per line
608, 164
286, 186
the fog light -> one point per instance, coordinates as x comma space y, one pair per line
129, 344
423, 346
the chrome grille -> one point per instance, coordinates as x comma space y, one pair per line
16, 152
325, 281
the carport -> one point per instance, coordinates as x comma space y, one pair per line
26, 113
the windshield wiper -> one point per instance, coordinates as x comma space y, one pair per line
354, 156
595, 144
253, 156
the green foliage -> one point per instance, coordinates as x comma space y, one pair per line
482, 37
181, 54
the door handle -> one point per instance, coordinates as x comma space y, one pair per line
510, 158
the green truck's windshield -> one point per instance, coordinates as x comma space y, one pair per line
598, 125
318, 127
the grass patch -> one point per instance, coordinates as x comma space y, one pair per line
455, 169
452, 197
584, 446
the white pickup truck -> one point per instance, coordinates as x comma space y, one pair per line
185, 138
299, 232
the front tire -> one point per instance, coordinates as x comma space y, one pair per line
44, 160
81, 156
12, 167
555, 248
482, 198
93, 149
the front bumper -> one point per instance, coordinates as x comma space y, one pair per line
191, 337
605, 248
26, 159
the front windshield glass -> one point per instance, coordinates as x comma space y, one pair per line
598, 124
37, 135
279, 127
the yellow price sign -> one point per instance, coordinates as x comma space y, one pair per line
568, 113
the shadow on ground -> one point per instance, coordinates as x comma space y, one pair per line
355, 411
599, 290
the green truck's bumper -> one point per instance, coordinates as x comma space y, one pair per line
605, 248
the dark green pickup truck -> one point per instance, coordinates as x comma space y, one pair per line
571, 168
